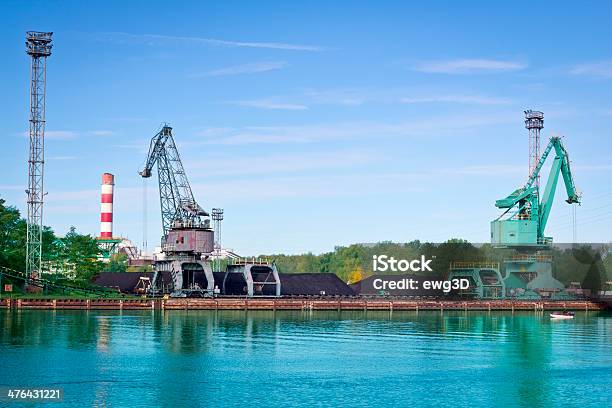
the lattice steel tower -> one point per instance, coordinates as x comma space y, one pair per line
217, 216
534, 122
38, 46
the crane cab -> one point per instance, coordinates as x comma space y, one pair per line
514, 232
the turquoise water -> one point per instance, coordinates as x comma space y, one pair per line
357, 359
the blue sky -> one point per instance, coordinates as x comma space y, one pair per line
313, 124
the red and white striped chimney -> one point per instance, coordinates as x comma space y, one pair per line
106, 213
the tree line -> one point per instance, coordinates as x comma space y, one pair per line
74, 256
591, 267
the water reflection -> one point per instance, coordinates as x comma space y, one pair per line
189, 332
194, 357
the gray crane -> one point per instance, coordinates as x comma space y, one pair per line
187, 240
178, 206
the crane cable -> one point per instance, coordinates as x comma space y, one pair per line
144, 216
574, 224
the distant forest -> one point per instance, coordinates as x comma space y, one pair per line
76, 256
352, 263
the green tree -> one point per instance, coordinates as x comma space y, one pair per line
147, 268
595, 276
117, 263
13, 239
608, 265
80, 253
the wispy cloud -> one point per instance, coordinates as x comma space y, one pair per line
70, 134
214, 131
355, 130
62, 196
487, 170
468, 66
61, 158
268, 104
357, 97
507, 169
59, 134
267, 187
601, 69
135, 146
153, 39
127, 119
594, 167
281, 164
346, 97
473, 99
11, 187
101, 132
250, 68
306, 186
141, 145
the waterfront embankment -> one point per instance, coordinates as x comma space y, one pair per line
296, 304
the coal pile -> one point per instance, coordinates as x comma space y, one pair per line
292, 284
313, 284
125, 282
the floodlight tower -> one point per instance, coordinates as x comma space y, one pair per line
217, 217
534, 122
38, 47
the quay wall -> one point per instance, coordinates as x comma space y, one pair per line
296, 304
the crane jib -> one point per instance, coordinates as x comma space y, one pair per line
177, 202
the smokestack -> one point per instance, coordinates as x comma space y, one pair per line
106, 213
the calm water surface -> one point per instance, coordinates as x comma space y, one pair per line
357, 359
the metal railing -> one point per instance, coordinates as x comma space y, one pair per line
252, 261
545, 241
474, 264
529, 258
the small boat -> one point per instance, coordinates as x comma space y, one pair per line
562, 315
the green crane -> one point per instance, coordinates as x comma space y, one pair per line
524, 221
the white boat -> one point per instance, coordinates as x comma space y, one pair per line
562, 315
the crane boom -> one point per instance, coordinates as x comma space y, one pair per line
561, 154
178, 205
561, 165
527, 224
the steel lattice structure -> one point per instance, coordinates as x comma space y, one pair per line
534, 122
217, 217
38, 46
177, 202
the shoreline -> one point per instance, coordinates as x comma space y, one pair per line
298, 304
